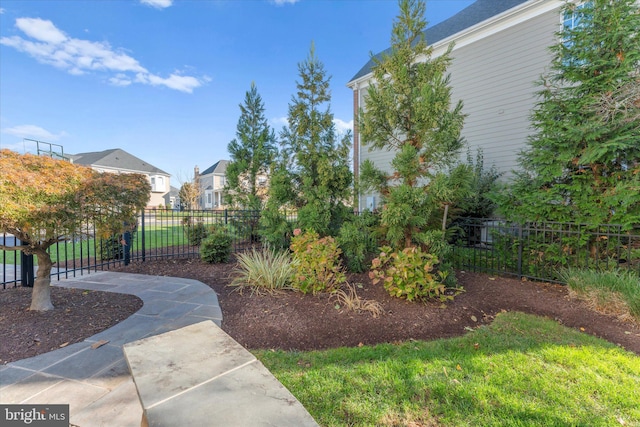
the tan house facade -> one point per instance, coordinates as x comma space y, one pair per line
119, 161
501, 50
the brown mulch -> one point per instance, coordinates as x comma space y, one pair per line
294, 321
77, 315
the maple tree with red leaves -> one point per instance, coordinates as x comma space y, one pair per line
44, 201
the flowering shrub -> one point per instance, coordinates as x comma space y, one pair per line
410, 274
317, 267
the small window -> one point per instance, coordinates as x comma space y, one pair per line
157, 184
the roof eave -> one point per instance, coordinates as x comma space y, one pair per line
467, 32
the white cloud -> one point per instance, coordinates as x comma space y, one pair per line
342, 126
158, 4
53, 47
1, 11
283, 2
41, 30
279, 122
120, 80
174, 81
33, 131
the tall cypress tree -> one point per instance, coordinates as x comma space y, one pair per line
313, 174
252, 152
583, 162
409, 110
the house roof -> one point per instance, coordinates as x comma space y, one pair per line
115, 158
220, 167
477, 12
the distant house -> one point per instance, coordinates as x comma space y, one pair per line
501, 50
211, 182
172, 198
119, 161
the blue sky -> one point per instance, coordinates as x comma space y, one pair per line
162, 79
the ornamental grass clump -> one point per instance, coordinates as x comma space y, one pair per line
317, 263
349, 299
615, 293
264, 271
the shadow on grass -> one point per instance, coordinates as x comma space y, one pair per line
520, 370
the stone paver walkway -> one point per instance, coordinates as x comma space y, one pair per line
96, 382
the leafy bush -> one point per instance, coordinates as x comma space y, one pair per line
484, 182
410, 274
111, 248
275, 230
317, 263
216, 247
195, 232
266, 270
357, 241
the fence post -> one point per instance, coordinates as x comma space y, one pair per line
226, 217
26, 270
127, 247
520, 244
144, 254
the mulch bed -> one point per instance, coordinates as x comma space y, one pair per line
292, 321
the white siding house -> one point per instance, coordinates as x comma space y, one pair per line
212, 181
501, 50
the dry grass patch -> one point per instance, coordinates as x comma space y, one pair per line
349, 299
615, 293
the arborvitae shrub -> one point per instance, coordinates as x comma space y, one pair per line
357, 241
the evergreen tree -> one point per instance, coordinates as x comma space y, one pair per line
312, 174
252, 152
409, 111
583, 162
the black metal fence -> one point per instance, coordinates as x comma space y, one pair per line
535, 250
540, 250
159, 234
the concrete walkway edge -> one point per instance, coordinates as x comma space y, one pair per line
96, 382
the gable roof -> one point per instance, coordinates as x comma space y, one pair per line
475, 13
115, 158
220, 167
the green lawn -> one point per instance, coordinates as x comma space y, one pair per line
521, 370
155, 237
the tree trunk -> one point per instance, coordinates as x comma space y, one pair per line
41, 295
444, 219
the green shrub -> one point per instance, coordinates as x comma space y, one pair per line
317, 263
111, 248
410, 274
216, 247
357, 241
266, 270
195, 232
274, 229
484, 183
